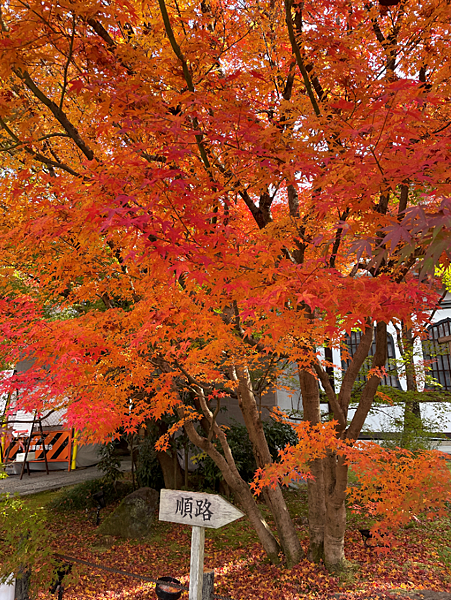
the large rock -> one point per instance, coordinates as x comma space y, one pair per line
134, 516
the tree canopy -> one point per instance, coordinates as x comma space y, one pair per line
190, 190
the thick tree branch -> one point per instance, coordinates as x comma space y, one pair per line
403, 200
338, 237
331, 395
297, 54
352, 371
367, 397
259, 217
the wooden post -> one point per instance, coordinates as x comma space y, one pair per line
196, 572
71, 435
27, 448
200, 511
208, 584
43, 446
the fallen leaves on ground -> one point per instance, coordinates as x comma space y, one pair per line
241, 569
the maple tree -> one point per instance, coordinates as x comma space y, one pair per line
192, 191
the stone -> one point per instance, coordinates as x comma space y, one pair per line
134, 516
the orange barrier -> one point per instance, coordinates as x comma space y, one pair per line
57, 446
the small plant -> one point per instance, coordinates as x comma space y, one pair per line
148, 470
109, 464
26, 540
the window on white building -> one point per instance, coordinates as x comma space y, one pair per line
352, 341
436, 351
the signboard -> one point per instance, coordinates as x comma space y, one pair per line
56, 445
22, 423
200, 511
196, 508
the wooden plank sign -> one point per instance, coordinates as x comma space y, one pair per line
196, 508
200, 511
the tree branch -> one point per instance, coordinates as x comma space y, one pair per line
331, 395
297, 54
59, 114
367, 397
66, 66
40, 157
352, 371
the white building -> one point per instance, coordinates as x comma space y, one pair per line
432, 361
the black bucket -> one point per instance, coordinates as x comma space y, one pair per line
165, 591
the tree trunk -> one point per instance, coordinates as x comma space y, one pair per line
23, 584
226, 464
316, 511
173, 477
266, 537
335, 479
412, 412
172, 473
315, 486
274, 498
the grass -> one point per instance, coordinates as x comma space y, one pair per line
43, 499
231, 536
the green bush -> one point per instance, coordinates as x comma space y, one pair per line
109, 464
26, 542
80, 497
148, 470
278, 435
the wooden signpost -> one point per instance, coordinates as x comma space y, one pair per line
200, 511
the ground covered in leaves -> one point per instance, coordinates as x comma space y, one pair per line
419, 559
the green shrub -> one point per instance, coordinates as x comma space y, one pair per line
80, 496
148, 470
278, 435
109, 464
26, 542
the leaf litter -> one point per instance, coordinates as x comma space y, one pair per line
418, 559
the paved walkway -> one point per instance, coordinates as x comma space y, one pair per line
39, 481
